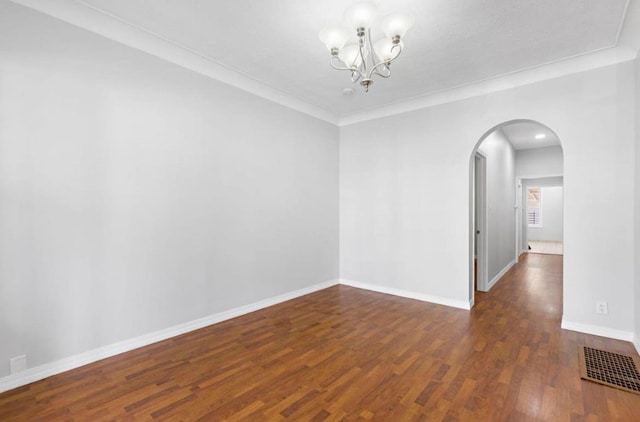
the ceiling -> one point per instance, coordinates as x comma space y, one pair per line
273, 44
453, 42
522, 135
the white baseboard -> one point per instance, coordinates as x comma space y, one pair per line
597, 330
636, 342
408, 294
43, 371
495, 279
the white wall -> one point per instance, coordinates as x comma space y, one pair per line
539, 162
551, 229
404, 192
500, 201
136, 195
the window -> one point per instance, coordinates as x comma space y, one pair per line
534, 207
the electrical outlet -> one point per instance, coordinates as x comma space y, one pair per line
602, 308
17, 364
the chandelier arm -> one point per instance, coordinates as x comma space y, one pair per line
374, 70
382, 75
399, 47
333, 62
385, 63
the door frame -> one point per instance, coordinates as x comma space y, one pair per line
523, 228
480, 232
521, 218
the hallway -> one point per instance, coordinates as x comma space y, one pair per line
350, 354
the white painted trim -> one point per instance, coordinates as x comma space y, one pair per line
636, 342
568, 66
629, 32
408, 294
597, 330
482, 210
43, 371
495, 279
95, 20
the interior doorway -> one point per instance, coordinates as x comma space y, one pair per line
542, 208
506, 160
480, 221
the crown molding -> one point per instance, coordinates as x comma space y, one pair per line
95, 20
503, 82
88, 17
629, 32
625, 49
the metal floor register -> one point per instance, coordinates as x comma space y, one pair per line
612, 369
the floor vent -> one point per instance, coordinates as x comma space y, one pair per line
612, 369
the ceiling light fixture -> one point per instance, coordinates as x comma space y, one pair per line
541, 136
366, 58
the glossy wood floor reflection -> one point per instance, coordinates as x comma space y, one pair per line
349, 354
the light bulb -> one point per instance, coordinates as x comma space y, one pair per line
360, 15
350, 55
334, 37
397, 24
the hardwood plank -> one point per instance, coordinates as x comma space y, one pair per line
344, 354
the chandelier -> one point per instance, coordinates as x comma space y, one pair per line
366, 58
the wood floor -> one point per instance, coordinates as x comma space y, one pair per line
349, 354
545, 246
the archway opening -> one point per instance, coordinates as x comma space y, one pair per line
508, 162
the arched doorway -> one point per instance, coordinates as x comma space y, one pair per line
507, 159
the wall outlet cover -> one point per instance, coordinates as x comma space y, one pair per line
602, 308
